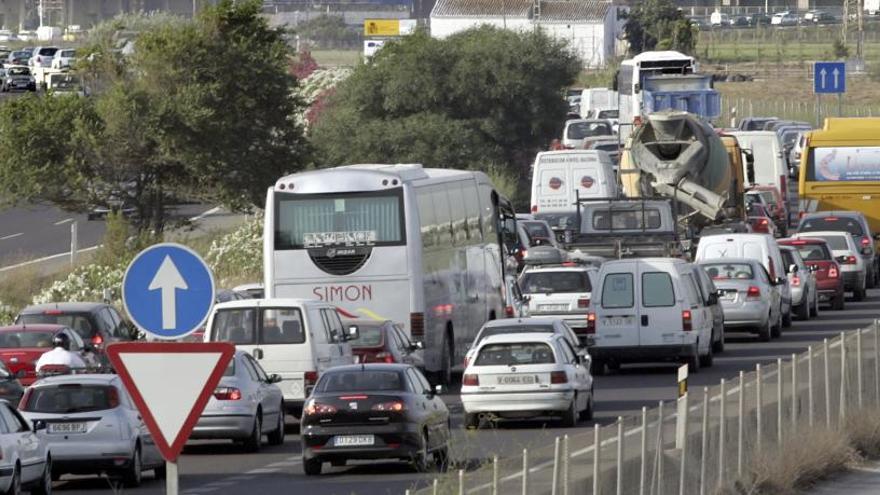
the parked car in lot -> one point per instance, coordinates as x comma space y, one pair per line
853, 269
857, 225
784, 19
17, 57
802, 280
18, 78
375, 411
64, 58
42, 56
246, 405
817, 255
25, 459
526, 375
383, 342
561, 292
91, 427
650, 310
21, 347
747, 295
526, 325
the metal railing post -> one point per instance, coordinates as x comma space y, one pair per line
566, 458
842, 378
436, 487
704, 441
759, 394
682, 439
859, 367
827, 350
794, 392
556, 463
620, 455
660, 453
597, 456
461, 482
780, 383
495, 475
740, 421
643, 468
525, 472
722, 431
810, 404
876, 362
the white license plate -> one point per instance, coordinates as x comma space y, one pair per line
552, 307
353, 440
66, 427
617, 321
517, 380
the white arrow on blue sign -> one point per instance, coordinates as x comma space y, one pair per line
168, 291
829, 77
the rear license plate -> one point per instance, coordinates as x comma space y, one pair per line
517, 380
66, 428
552, 307
617, 321
353, 440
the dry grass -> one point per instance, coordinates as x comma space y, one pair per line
863, 431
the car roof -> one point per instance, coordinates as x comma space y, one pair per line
806, 237
39, 327
822, 233
521, 322
67, 307
715, 261
370, 367
512, 338
834, 213
626, 261
558, 268
270, 303
82, 379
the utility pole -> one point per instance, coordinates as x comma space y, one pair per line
860, 41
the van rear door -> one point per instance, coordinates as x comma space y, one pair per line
660, 314
585, 175
552, 184
618, 314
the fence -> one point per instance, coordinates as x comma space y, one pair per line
722, 439
805, 111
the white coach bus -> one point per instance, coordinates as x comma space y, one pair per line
417, 246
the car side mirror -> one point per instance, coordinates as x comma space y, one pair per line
712, 299
353, 333
38, 425
439, 390
793, 173
274, 378
780, 281
792, 268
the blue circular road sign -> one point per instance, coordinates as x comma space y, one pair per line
168, 291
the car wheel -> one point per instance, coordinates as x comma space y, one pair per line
597, 367
419, 461
570, 417
707, 359
693, 362
44, 486
718, 346
132, 476
803, 311
587, 414
872, 280
765, 332
860, 294
776, 329
15, 484
255, 440
441, 459
312, 467
471, 421
276, 437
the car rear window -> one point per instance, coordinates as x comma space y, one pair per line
538, 229
488, 332
657, 290
814, 252
70, 398
368, 337
617, 290
581, 130
515, 354
360, 381
553, 282
842, 224
726, 271
81, 323
277, 326
48, 51
14, 340
835, 241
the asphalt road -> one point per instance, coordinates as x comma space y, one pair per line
220, 467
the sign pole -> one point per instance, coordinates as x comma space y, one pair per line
818, 111
840, 104
171, 478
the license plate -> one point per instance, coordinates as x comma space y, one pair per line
552, 307
66, 427
353, 440
617, 321
517, 380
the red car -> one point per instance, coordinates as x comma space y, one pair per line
382, 342
818, 256
760, 219
21, 346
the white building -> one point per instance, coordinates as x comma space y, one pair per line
590, 26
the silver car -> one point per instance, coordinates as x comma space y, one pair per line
92, 427
747, 296
245, 406
802, 280
24, 457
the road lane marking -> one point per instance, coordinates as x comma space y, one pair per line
47, 258
62, 222
11, 236
205, 214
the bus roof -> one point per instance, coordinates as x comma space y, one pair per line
847, 129
357, 176
659, 56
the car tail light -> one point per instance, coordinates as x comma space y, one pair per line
558, 377
802, 214
797, 242
764, 222
849, 260
354, 397
833, 272
831, 219
227, 393
865, 242
534, 208
591, 323
385, 357
310, 377
508, 311
470, 380
54, 312
98, 340
796, 281
686, 322
393, 406
113, 398
417, 325
753, 293
315, 408
584, 302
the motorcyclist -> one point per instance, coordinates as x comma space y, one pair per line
60, 355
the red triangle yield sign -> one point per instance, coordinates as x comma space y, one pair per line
170, 383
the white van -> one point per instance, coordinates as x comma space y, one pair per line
595, 98
297, 339
760, 247
559, 177
770, 166
650, 310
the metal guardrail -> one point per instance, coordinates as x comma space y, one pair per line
710, 440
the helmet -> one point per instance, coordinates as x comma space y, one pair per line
61, 340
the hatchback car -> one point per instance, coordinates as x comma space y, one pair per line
17, 77
760, 220
856, 224
25, 460
853, 269
246, 405
817, 255
374, 411
560, 292
528, 375
42, 56
802, 280
383, 342
22, 346
747, 296
92, 427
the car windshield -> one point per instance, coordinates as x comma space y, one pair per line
360, 381
552, 282
368, 336
70, 398
18, 71
836, 242
581, 130
515, 354
79, 322
813, 252
13, 340
842, 224
488, 332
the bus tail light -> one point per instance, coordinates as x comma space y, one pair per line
591, 323
470, 380
686, 321
417, 325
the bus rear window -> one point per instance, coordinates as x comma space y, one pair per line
844, 164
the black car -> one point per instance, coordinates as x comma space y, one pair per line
374, 411
759, 20
99, 324
10, 388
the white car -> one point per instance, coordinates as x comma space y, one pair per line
42, 56
576, 130
852, 267
560, 292
802, 280
7, 35
64, 58
25, 460
784, 19
525, 325
527, 375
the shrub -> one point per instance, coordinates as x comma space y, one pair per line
7, 314
237, 257
86, 283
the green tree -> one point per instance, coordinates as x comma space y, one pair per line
329, 31
659, 24
476, 98
201, 110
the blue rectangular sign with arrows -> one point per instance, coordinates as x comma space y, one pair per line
829, 77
